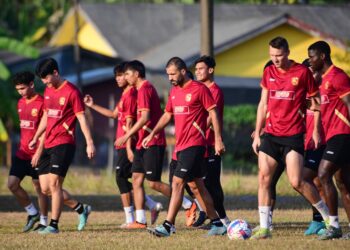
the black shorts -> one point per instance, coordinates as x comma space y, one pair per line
279, 146
313, 158
123, 165
56, 160
21, 168
149, 161
191, 163
337, 150
213, 161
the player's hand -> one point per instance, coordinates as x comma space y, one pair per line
130, 154
88, 100
316, 138
90, 150
121, 140
147, 140
32, 144
219, 147
35, 159
256, 144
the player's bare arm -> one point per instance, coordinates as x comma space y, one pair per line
260, 119
219, 145
163, 121
144, 118
38, 152
129, 150
40, 131
90, 147
89, 101
315, 106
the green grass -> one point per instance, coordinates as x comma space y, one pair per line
87, 181
102, 232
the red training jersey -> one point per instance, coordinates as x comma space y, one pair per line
189, 105
148, 99
30, 113
127, 107
335, 115
218, 97
62, 105
287, 91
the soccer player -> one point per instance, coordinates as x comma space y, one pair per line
335, 114
24, 163
125, 112
63, 105
204, 71
190, 102
148, 162
285, 85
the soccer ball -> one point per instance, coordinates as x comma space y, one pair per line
239, 230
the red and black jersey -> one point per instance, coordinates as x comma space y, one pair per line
148, 99
334, 113
287, 91
190, 106
30, 113
127, 107
218, 97
62, 105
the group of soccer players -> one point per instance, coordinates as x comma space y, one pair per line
288, 123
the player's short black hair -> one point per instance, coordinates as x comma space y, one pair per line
189, 74
137, 66
279, 43
322, 47
119, 68
306, 62
177, 62
25, 77
46, 67
207, 60
268, 64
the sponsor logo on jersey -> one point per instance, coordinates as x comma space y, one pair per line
54, 113
324, 99
188, 97
34, 112
326, 85
173, 97
47, 97
19, 110
181, 110
295, 81
62, 100
272, 79
282, 94
26, 124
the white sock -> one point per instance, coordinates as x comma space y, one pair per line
270, 218
43, 220
334, 221
198, 205
141, 216
31, 210
225, 221
264, 212
149, 202
323, 209
129, 214
186, 203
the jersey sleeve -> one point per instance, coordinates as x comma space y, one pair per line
218, 97
76, 101
312, 87
263, 83
131, 106
169, 105
144, 99
206, 98
341, 84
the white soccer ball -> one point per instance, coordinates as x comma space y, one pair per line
239, 230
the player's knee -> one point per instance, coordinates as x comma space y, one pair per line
124, 185
153, 184
324, 176
46, 191
177, 185
297, 184
340, 184
13, 186
37, 187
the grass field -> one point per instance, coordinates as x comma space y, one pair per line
102, 233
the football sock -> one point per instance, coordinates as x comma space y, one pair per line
79, 208
316, 216
217, 222
43, 220
54, 223
31, 210
270, 217
323, 209
129, 214
225, 221
141, 216
167, 225
198, 205
334, 221
264, 212
186, 203
149, 202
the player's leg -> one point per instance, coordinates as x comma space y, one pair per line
43, 202
342, 178
275, 178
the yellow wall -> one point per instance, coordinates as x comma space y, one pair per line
249, 58
89, 38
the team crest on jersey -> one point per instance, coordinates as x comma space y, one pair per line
188, 97
120, 104
34, 112
62, 100
326, 85
295, 81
